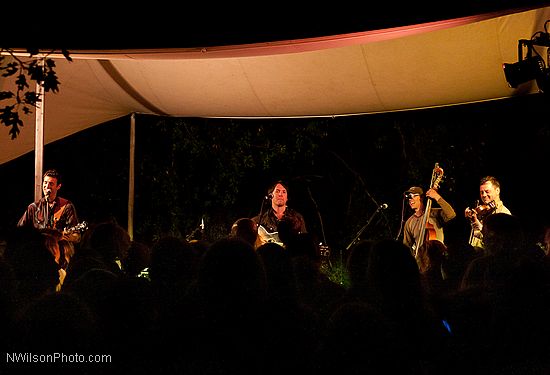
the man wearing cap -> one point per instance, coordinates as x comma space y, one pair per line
439, 216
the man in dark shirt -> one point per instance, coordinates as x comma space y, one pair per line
279, 220
51, 211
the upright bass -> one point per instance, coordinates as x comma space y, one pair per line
427, 231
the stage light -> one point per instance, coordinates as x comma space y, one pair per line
523, 71
533, 66
543, 81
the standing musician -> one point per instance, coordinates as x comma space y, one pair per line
437, 219
279, 213
489, 192
53, 215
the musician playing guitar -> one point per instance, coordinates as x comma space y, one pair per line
279, 217
436, 219
52, 213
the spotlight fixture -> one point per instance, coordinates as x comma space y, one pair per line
524, 70
543, 81
533, 66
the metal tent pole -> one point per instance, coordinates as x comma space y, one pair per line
39, 140
131, 176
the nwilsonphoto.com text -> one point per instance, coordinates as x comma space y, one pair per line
57, 358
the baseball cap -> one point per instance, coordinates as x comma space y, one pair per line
415, 190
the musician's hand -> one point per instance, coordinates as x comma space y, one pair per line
71, 237
432, 193
476, 224
62, 273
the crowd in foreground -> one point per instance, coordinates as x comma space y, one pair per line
232, 307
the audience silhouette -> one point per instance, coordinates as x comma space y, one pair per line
227, 307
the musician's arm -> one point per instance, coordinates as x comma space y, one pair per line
27, 218
408, 238
447, 211
71, 221
302, 223
476, 224
71, 216
74, 237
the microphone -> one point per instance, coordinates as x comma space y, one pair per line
48, 192
383, 206
268, 196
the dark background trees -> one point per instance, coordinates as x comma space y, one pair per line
339, 169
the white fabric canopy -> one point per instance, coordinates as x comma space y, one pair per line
442, 63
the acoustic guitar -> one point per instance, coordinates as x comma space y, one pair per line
79, 228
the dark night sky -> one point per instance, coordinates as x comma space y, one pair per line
201, 24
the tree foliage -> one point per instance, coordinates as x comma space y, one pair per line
37, 68
206, 168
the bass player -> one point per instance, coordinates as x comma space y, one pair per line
438, 217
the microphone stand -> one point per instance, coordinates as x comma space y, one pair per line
261, 212
318, 215
323, 248
402, 219
199, 228
190, 236
363, 229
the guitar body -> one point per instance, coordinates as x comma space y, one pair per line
430, 232
61, 243
73, 233
266, 236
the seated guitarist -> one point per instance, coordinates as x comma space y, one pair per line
438, 217
52, 211
279, 213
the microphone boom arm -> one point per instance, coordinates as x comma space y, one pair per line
364, 227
